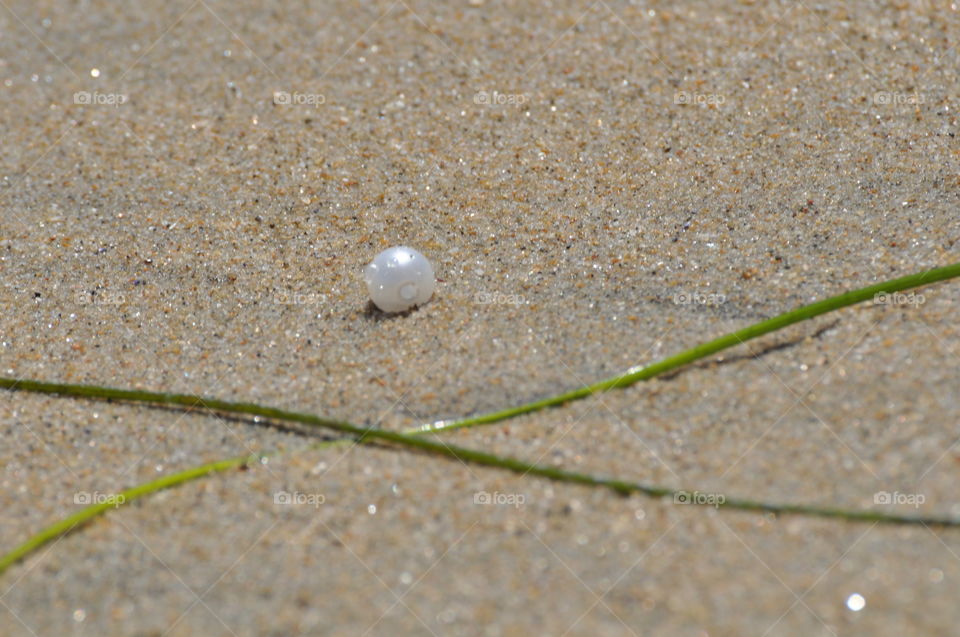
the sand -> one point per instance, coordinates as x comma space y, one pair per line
191, 190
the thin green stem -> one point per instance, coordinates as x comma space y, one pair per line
81, 517
709, 348
417, 442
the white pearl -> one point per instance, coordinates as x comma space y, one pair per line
399, 278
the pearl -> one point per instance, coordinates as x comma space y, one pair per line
399, 278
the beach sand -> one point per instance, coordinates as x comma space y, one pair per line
189, 193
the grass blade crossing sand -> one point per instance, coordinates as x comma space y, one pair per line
414, 439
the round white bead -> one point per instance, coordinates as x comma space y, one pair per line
399, 278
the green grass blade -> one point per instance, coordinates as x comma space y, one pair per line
81, 517
418, 442
709, 348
